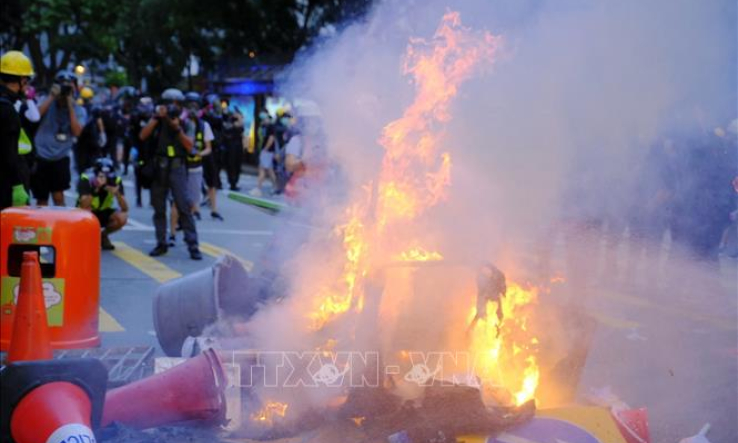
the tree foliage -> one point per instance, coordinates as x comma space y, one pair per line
155, 39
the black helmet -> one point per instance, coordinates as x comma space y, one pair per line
125, 93
193, 96
104, 164
64, 76
173, 94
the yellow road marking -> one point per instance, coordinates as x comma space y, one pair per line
217, 251
108, 323
149, 266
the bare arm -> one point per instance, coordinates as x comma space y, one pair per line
293, 164
148, 129
208, 149
46, 103
85, 202
76, 127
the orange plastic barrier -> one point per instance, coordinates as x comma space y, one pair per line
67, 241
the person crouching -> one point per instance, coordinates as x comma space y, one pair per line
99, 191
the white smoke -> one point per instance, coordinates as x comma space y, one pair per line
578, 91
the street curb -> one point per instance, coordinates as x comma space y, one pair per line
255, 201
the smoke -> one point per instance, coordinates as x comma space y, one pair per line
554, 131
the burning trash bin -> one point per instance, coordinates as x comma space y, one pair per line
67, 241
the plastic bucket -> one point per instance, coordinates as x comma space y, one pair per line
185, 306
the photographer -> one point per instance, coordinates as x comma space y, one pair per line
99, 189
61, 121
170, 148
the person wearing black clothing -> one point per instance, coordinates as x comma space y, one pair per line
170, 147
233, 143
15, 73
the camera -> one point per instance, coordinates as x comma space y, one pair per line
173, 111
66, 89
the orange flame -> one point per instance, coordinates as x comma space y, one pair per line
505, 351
269, 412
419, 254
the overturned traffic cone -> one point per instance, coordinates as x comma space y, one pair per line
51, 400
192, 392
30, 339
633, 424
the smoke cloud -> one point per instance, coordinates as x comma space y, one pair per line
554, 130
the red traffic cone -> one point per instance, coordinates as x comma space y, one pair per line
30, 339
633, 424
193, 391
55, 412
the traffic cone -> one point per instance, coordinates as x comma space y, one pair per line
30, 339
191, 392
633, 424
53, 412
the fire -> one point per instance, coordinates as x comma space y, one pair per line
269, 412
415, 173
415, 176
505, 351
419, 254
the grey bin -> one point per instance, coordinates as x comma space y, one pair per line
185, 306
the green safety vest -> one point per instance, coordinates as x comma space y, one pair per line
24, 143
196, 160
107, 202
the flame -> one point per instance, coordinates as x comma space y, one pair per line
503, 350
415, 173
419, 254
415, 176
271, 410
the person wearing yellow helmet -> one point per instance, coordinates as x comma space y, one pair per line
86, 93
16, 71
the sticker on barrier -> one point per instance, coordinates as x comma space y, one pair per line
53, 297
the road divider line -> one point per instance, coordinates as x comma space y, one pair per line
149, 266
108, 323
217, 251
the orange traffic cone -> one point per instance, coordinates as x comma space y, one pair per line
30, 339
191, 392
54, 412
633, 424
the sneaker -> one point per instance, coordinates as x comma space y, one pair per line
105, 242
172, 241
195, 254
235, 188
197, 215
159, 250
216, 216
256, 192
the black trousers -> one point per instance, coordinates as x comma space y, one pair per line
171, 176
234, 156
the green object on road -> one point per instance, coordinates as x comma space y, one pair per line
256, 201
20, 196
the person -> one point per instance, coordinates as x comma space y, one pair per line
281, 134
305, 161
99, 190
233, 143
212, 114
91, 142
16, 71
61, 121
30, 118
266, 155
203, 136
171, 146
141, 155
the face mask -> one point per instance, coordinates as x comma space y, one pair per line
263, 116
285, 121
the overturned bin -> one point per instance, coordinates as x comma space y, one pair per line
185, 306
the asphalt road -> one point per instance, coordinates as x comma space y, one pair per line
672, 351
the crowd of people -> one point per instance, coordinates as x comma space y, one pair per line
176, 145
